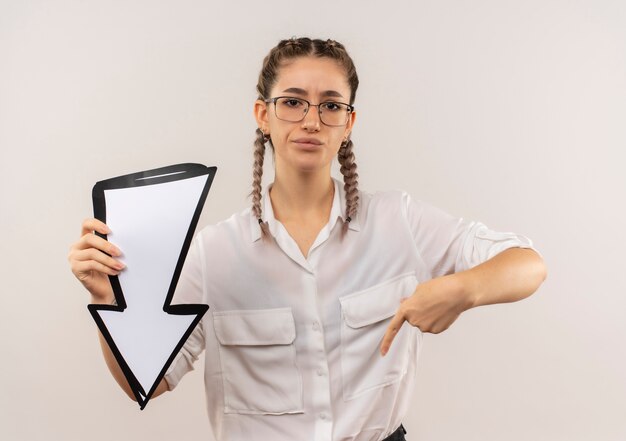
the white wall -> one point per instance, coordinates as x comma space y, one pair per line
512, 113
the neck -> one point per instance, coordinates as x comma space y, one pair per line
302, 196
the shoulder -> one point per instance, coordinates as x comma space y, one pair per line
382, 207
232, 229
402, 205
384, 200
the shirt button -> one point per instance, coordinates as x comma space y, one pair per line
316, 326
320, 372
323, 416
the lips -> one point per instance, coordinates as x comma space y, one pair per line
307, 141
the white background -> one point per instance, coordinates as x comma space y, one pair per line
511, 113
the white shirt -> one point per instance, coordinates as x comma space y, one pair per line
292, 343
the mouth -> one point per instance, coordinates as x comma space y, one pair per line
307, 142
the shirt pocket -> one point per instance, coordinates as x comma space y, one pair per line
258, 360
365, 317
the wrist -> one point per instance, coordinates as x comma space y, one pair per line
106, 300
465, 289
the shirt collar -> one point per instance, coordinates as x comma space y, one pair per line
337, 211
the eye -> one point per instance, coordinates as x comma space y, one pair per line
292, 103
333, 107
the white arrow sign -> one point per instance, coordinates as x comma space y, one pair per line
152, 216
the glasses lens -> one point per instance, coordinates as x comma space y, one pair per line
294, 109
291, 109
334, 114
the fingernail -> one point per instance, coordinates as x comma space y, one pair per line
383, 352
120, 265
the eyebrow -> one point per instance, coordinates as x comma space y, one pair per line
298, 91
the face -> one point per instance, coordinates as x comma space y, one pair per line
308, 145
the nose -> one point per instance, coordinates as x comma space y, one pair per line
311, 120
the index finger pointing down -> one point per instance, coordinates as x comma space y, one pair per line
392, 330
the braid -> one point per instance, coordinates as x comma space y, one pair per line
257, 174
350, 179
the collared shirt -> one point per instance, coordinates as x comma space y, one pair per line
292, 342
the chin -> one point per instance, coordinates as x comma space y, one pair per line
310, 167
305, 163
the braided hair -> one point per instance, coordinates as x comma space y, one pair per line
290, 49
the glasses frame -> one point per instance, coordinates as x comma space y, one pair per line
309, 105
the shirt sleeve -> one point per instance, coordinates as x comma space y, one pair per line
449, 244
188, 290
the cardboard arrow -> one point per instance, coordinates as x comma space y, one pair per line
152, 216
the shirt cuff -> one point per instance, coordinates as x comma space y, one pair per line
481, 244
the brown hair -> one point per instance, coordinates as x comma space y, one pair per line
290, 49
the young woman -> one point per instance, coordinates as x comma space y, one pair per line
309, 288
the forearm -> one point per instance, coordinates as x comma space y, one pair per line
511, 275
114, 367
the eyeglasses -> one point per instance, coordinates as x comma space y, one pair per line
332, 113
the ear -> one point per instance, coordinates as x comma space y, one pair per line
349, 125
261, 114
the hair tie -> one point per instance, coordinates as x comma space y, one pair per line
348, 219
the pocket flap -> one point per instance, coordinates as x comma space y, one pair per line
378, 302
255, 327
